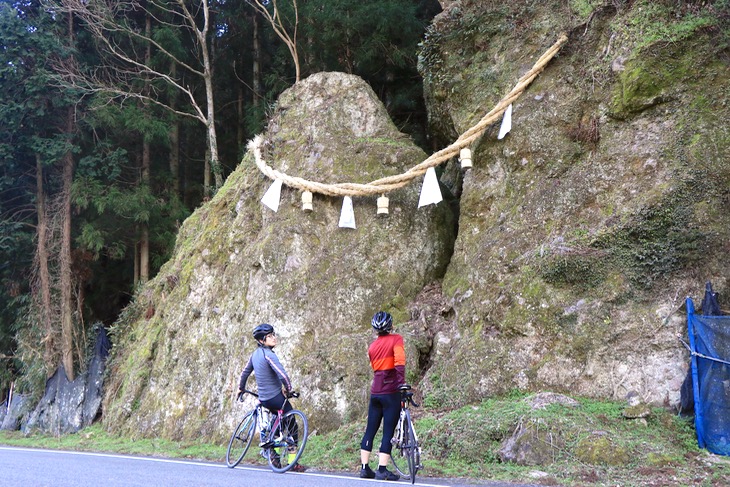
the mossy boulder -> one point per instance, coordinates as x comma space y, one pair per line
580, 232
237, 263
531, 444
598, 449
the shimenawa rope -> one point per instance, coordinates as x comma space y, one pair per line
390, 183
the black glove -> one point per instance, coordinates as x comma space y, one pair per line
239, 397
290, 394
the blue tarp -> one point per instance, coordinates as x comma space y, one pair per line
709, 339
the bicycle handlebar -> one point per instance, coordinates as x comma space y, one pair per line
240, 395
409, 398
291, 394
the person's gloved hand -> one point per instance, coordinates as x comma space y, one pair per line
239, 397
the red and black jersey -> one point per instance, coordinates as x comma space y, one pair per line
388, 360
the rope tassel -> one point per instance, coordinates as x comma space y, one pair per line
430, 191
273, 195
347, 215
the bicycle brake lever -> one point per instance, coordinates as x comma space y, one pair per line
409, 398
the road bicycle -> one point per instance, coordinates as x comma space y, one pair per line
282, 436
405, 439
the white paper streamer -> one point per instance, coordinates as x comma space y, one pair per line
273, 195
430, 191
347, 215
506, 123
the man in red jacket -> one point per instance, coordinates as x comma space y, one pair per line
388, 360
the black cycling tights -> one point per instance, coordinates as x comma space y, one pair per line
279, 402
385, 407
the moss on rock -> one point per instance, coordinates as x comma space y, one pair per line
598, 449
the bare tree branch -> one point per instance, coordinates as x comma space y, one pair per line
278, 25
126, 71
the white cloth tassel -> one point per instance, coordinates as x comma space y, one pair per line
273, 195
506, 123
347, 215
430, 191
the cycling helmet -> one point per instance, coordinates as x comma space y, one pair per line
260, 332
382, 321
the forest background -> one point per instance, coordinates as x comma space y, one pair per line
119, 118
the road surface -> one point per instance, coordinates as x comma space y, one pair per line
29, 467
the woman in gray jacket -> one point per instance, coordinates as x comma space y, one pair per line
274, 385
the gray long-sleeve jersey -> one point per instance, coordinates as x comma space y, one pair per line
270, 374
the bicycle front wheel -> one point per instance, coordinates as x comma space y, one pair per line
412, 451
241, 439
289, 440
399, 441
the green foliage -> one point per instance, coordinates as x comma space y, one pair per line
376, 40
583, 8
95, 438
28, 108
355, 35
650, 22
578, 271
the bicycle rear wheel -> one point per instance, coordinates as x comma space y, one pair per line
241, 439
289, 440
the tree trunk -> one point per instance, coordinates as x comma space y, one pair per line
65, 258
144, 237
240, 128
215, 164
174, 159
67, 307
256, 62
44, 273
205, 49
135, 279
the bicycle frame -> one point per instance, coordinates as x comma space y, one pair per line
405, 438
283, 436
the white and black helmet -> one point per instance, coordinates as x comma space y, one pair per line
382, 321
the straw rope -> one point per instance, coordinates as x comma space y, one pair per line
390, 183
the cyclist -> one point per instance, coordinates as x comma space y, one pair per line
274, 385
388, 361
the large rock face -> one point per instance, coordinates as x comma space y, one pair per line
237, 264
581, 232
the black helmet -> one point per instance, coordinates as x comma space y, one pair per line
260, 332
382, 321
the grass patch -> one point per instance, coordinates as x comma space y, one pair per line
96, 439
465, 443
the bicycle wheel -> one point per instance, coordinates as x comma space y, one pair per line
399, 456
289, 440
241, 439
412, 451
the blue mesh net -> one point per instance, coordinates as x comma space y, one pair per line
709, 338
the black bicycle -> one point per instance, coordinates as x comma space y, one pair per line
282, 436
405, 439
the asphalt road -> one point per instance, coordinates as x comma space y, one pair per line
55, 468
